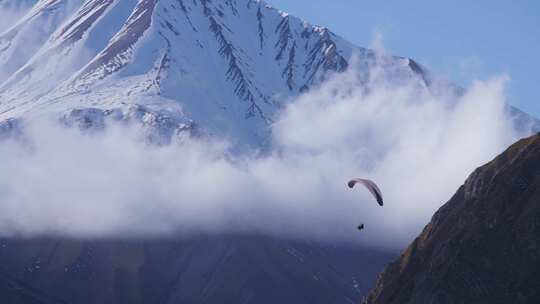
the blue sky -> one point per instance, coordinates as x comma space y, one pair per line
462, 40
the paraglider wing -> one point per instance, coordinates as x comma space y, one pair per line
370, 185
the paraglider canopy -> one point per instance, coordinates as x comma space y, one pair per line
370, 185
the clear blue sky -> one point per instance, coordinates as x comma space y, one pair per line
460, 39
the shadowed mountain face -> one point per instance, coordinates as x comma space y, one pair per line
483, 246
232, 269
13, 291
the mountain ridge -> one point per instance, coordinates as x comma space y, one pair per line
482, 246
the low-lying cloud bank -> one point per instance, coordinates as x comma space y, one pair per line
418, 146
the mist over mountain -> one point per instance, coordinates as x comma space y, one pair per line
256, 93
197, 151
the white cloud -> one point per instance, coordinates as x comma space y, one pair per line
419, 148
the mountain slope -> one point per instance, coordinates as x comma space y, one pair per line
202, 269
13, 291
483, 246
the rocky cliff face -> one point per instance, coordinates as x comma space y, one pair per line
483, 246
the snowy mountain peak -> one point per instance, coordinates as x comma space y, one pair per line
228, 65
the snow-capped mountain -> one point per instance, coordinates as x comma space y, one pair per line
176, 66
226, 65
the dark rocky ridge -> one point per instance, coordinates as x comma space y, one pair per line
483, 246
